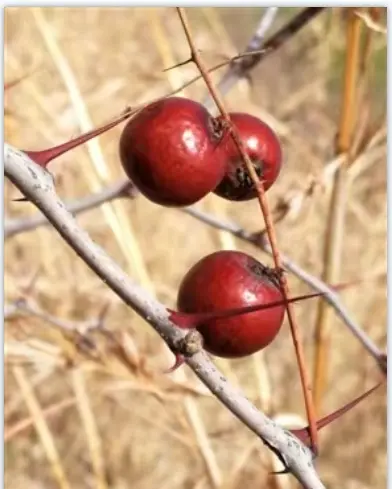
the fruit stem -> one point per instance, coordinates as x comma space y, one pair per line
45, 156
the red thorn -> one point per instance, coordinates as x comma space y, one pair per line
181, 320
45, 156
304, 433
179, 360
188, 320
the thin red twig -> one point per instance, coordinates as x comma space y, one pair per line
304, 375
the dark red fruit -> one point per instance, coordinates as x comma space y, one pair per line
264, 150
170, 150
227, 280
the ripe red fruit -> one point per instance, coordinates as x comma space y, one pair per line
264, 150
170, 152
228, 280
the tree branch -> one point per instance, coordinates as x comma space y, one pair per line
231, 77
123, 188
28, 308
240, 68
37, 185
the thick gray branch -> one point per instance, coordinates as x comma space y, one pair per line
37, 185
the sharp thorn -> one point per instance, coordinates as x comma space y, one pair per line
21, 199
280, 472
179, 360
182, 63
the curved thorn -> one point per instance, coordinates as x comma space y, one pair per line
179, 360
21, 199
177, 65
280, 472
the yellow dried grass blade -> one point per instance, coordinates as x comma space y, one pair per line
334, 233
90, 427
41, 427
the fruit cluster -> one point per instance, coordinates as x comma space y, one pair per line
176, 153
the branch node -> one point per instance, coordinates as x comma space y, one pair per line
191, 344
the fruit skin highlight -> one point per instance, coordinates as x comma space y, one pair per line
264, 150
227, 280
171, 152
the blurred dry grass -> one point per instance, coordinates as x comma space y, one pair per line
119, 422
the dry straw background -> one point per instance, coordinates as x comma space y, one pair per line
95, 415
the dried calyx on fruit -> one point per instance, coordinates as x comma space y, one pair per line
171, 152
264, 151
232, 280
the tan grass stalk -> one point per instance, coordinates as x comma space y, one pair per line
89, 423
41, 426
334, 234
